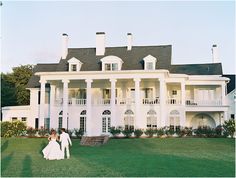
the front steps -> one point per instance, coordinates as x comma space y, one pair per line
94, 140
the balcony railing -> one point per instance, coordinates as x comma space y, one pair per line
125, 101
150, 101
102, 102
191, 102
173, 101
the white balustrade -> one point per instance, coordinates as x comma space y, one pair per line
173, 101
191, 102
150, 101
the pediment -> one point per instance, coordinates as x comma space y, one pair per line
74, 61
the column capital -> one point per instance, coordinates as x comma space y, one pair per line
137, 79
65, 81
113, 80
89, 80
42, 81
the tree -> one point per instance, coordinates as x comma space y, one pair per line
19, 78
8, 92
229, 127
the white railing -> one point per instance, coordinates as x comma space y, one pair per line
150, 101
125, 101
191, 102
173, 101
80, 101
102, 102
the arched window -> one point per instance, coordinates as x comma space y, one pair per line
83, 120
106, 121
151, 119
129, 119
60, 120
174, 120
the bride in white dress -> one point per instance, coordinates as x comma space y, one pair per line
52, 151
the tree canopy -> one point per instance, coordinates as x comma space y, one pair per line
13, 86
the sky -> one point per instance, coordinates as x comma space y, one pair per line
31, 30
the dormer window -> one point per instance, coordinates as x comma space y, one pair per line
74, 65
149, 62
111, 63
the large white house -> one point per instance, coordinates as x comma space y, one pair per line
131, 86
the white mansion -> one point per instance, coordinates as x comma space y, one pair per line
132, 86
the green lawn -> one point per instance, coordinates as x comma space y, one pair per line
214, 157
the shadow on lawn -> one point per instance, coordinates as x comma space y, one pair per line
4, 146
42, 146
26, 170
5, 161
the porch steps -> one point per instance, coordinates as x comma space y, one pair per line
94, 141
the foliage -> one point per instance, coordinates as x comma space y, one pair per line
150, 132
8, 92
186, 131
79, 133
43, 132
127, 132
14, 85
12, 129
160, 131
170, 131
30, 131
70, 132
138, 132
205, 131
115, 131
229, 127
219, 130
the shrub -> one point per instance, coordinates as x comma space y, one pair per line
186, 131
79, 133
205, 131
160, 132
30, 131
229, 127
219, 130
115, 131
170, 131
127, 132
43, 132
138, 132
70, 132
150, 132
10, 129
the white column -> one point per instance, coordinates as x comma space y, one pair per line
223, 93
53, 117
138, 122
163, 109
183, 95
89, 107
42, 103
65, 103
225, 117
113, 102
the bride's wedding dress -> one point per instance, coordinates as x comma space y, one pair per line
52, 151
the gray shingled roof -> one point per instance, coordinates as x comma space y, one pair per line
231, 84
133, 60
34, 80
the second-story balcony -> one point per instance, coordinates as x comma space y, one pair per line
190, 102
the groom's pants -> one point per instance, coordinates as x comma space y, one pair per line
63, 147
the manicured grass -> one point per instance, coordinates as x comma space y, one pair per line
214, 157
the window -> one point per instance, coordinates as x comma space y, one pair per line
129, 119
73, 67
232, 116
174, 92
111, 66
47, 123
174, 120
24, 119
111, 63
150, 62
83, 120
151, 120
106, 121
36, 123
14, 119
60, 122
149, 65
107, 66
